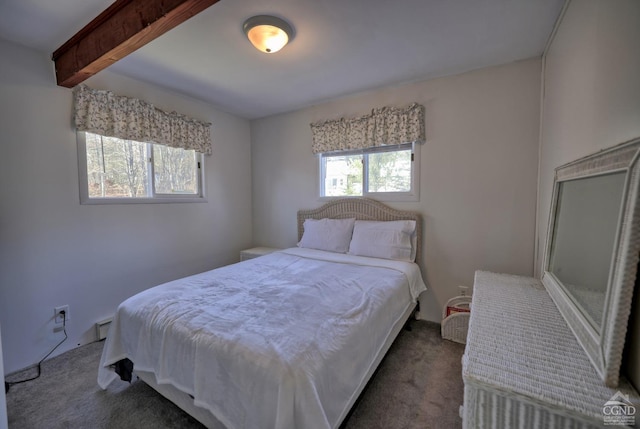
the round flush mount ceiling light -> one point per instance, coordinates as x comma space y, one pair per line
268, 33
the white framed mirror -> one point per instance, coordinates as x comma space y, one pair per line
592, 252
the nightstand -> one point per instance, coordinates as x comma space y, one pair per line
256, 252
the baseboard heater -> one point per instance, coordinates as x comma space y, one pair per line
102, 328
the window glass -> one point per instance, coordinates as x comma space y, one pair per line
343, 175
175, 170
115, 167
120, 170
388, 172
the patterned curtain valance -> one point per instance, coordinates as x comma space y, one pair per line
384, 126
107, 114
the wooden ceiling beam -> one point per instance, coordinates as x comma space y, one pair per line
120, 29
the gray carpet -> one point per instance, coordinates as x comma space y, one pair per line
418, 385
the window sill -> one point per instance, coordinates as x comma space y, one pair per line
157, 200
377, 196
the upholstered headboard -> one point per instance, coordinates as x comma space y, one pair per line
363, 209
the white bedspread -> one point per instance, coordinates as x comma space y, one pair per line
280, 341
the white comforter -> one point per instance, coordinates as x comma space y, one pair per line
280, 341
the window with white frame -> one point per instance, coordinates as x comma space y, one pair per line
383, 172
129, 151
115, 170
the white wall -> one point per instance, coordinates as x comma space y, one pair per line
592, 89
591, 94
54, 251
478, 172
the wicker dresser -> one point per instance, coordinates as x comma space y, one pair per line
522, 366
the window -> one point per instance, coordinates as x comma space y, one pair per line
114, 170
383, 172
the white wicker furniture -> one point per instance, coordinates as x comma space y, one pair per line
580, 263
523, 367
454, 326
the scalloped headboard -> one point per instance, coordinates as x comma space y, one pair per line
363, 209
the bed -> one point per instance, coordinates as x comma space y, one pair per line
286, 340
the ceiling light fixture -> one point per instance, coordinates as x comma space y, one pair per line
268, 33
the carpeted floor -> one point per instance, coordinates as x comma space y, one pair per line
418, 385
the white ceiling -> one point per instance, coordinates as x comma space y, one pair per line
340, 46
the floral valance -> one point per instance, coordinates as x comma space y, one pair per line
384, 126
103, 112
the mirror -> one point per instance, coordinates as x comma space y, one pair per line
592, 251
587, 217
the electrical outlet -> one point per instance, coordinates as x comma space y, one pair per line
57, 314
464, 290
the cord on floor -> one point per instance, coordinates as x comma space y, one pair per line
8, 384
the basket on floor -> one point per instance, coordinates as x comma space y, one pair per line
455, 319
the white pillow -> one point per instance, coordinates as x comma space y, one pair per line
333, 235
388, 240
